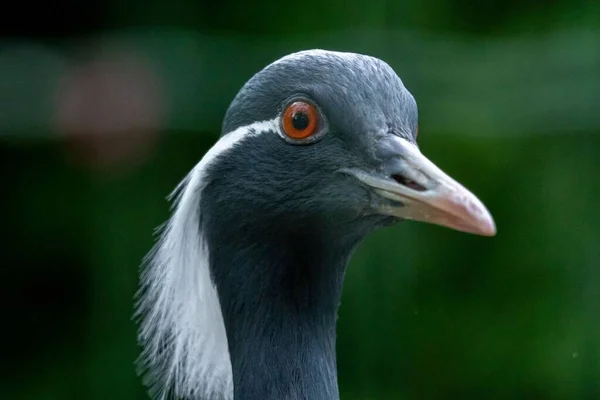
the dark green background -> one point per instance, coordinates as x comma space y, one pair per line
508, 94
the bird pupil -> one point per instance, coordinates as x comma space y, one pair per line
300, 121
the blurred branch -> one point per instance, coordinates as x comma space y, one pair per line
503, 86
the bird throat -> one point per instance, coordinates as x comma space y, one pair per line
279, 296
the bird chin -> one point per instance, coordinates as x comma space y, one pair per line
382, 220
391, 221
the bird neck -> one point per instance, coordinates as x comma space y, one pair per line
279, 297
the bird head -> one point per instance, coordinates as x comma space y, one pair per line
316, 150
329, 139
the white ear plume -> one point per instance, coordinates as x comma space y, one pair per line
182, 333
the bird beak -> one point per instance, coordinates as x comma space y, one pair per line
420, 191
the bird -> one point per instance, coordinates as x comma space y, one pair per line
238, 297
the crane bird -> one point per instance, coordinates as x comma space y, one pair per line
239, 296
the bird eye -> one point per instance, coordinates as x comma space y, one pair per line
300, 120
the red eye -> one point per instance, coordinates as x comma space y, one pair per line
300, 120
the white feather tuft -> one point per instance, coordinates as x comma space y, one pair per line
182, 333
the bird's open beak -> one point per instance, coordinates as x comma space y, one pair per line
420, 191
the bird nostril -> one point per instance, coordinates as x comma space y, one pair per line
404, 181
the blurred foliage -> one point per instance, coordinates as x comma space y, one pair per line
427, 313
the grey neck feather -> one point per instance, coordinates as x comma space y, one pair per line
279, 292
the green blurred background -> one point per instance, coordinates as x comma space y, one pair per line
105, 105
